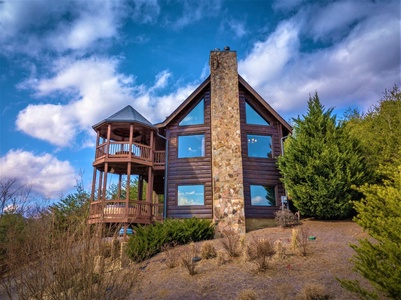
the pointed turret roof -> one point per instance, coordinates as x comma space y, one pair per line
129, 115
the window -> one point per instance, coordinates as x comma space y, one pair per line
195, 116
262, 195
260, 146
253, 117
191, 195
191, 145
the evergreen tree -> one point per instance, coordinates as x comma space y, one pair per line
379, 131
379, 213
321, 163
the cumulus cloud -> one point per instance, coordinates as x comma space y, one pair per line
352, 71
45, 174
96, 90
29, 27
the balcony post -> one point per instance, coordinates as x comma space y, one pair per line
108, 140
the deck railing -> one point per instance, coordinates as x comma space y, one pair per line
123, 149
136, 212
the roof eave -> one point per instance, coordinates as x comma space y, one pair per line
184, 104
264, 103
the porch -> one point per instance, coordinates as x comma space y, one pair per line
135, 152
121, 211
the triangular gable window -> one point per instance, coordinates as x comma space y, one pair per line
253, 117
196, 116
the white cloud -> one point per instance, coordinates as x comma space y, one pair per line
268, 58
353, 71
96, 91
30, 27
45, 174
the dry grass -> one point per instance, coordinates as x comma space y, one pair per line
288, 275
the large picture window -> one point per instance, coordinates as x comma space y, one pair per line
260, 146
191, 145
262, 195
191, 195
196, 116
253, 117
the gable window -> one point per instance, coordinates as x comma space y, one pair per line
262, 195
196, 116
191, 145
253, 117
260, 146
191, 195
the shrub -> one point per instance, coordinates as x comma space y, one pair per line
259, 251
171, 255
188, 260
313, 291
279, 248
232, 243
285, 218
208, 251
149, 240
222, 257
247, 295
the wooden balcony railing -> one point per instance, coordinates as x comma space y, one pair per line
123, 150
110, 211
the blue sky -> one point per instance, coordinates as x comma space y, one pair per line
66, 65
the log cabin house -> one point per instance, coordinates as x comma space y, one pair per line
214, 157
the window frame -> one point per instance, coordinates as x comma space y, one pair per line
274, 189
190, 185
260, 135
188, 113
255, 110
203, 150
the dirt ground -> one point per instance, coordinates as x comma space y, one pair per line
328, 257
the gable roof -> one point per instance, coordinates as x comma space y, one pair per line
127, 115
244, 84
184, 104
264, 103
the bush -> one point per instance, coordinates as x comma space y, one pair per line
300, 240
313, 291
208, 251
188, 260
285, 218
232, 243
171, 255
149, 240
259, 251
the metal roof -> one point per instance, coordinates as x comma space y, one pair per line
126, 115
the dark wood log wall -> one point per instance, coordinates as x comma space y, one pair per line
260, 171
256, 171
190, 171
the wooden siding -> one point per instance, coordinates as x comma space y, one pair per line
260, 171
189, 171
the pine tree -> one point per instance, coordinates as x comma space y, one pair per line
380, 214
321, 163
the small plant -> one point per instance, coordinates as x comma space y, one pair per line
285, 218
279, 248
208, 251
232, 243
247, 295
313, 291
188, 259
259, 251
222, 257
171, 255
300, 240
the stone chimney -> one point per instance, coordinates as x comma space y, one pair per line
228, 184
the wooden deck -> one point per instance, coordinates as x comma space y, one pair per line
136, 153
112, 211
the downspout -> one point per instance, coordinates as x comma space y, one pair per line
165, 175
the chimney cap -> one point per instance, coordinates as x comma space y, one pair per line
226, 48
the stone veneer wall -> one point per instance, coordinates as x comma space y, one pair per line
228, 186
